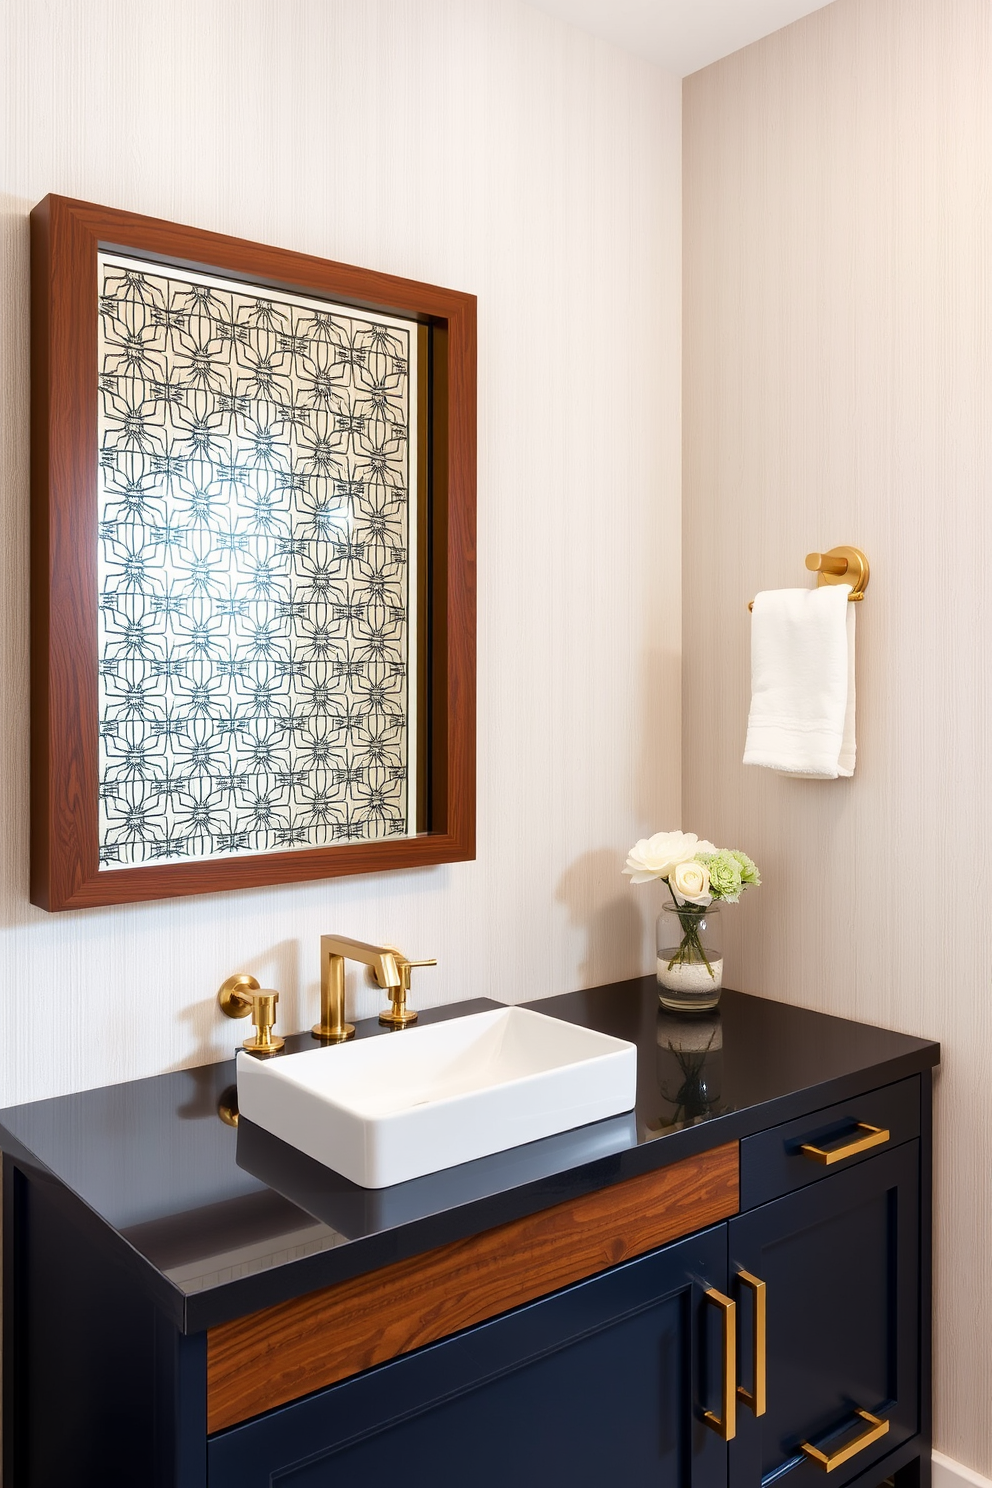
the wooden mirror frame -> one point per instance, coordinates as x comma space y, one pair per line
66, 237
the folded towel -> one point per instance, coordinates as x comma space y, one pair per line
802, 682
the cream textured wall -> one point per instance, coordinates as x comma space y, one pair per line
838, 388
481, 145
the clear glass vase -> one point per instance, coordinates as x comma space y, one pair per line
690, 957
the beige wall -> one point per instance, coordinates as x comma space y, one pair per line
484, 146
838, 388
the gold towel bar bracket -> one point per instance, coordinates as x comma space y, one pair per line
839, 566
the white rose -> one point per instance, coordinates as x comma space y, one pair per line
691, 883
655, 857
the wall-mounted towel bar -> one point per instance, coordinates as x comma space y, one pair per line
839, 566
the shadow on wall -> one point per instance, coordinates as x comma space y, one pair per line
600, 902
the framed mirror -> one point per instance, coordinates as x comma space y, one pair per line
253, 564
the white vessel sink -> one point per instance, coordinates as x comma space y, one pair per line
386, 1109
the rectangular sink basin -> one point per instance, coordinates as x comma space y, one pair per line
386, 1109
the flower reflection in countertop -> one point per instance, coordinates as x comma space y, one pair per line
689, 1067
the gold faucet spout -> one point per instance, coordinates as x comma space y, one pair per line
334, 950
391, 970
382, 959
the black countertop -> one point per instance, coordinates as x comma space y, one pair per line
219, 1222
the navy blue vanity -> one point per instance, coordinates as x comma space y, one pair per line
727, 1288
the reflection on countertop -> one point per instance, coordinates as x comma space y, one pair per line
357, 1212
689, 1068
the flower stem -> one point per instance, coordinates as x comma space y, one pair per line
691, 947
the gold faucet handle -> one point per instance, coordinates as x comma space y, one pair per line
398, 1015
241, 995
405, 968
263, 1015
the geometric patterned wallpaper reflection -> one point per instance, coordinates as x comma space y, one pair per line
256, 630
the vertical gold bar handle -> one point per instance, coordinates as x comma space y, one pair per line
755, 1397
725, 1424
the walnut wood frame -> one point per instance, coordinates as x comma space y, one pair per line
66, 236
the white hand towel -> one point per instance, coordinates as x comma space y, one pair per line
802, 682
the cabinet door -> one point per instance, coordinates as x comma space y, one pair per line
840, 1265
601, 1384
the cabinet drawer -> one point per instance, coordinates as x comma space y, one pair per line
774, 1162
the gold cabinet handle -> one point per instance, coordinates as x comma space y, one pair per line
755, 1398
877, 1428
874, 1136
725, 1424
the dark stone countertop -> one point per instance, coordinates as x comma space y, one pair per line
218, 1222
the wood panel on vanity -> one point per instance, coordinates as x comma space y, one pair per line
270, 1357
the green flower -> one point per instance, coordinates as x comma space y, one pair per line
749, 870
726, 879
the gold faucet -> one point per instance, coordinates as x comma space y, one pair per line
391, 970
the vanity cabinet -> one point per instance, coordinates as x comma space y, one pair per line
623, 1378
735, 1301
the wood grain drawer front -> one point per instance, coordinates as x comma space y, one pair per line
773, 1163
271, 1357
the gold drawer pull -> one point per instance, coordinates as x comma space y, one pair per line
829, 1460
874, 1136
725, 1425
755, 1398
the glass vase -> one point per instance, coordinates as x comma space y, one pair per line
690, 957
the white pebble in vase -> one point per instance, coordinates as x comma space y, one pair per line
693, 985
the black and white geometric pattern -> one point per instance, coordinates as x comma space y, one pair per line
255, 625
